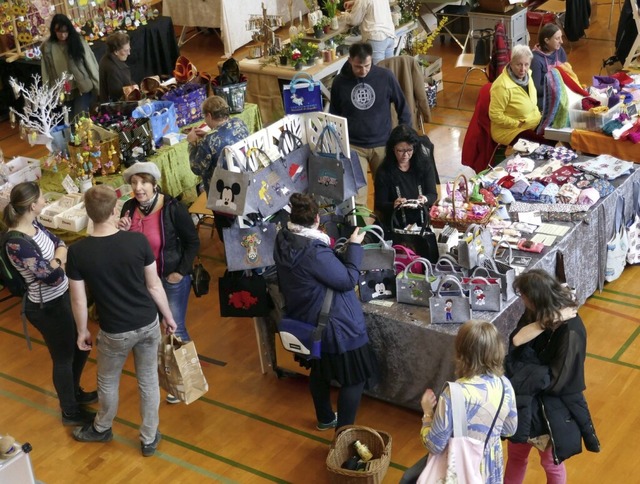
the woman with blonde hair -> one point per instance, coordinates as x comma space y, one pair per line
489, 401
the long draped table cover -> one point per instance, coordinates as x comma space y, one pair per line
414, 355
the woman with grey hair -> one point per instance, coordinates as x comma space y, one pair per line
513, 109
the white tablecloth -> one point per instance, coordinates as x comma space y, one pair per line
230, 16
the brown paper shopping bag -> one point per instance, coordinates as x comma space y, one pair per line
179, 369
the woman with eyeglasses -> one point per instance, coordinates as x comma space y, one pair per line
114, 71
546, 368
66, 51
408, 172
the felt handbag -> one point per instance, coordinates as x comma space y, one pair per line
377, 284
461, 460
302, 94
406, 256
485, 294
617, 246
452, 307
416, 289
243, 295
200, 279
179, 369
302, 338
229, 192
249, 247
482, 54
162, 116
503, 271
270, 185
633, 228
295, 158
447, 265
136, 139
424, 243
475, 242
331, 173
377, 255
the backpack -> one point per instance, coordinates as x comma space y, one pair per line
9, 275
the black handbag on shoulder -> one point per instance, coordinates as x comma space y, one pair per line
200, 279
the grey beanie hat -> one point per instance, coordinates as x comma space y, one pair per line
143, 167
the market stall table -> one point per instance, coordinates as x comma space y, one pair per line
414, 354
265, 80
597, 143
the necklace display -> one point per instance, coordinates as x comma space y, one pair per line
149, 206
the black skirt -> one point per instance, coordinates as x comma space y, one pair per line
349, 368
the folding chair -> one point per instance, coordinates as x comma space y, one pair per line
467, 61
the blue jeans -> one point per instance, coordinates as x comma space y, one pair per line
178, 296
113, 349
382, 49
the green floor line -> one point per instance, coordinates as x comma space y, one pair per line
17, 303
167, 438
613, 301
620, 293
609, 360
626, 344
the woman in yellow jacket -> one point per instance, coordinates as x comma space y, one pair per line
513, 109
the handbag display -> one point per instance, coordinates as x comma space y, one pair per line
302, 94
617, 246
295, 158
377, 284
179, 369
461, 461
406, 256
302, 338
136, 139
243, 295
200, 279
424, 243
416, 289
162, 117
475, 242
331, 173
447, 265
188, 99
249, 247
633, 228
485, 294
229, 186
451, 307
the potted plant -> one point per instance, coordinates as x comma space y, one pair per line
325, 24
331, 7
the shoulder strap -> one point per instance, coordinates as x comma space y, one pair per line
323, 317
496, 415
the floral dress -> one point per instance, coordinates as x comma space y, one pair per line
482, 397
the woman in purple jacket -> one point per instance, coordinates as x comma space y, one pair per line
307, 267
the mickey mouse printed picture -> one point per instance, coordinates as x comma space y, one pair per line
227, 195
377, 285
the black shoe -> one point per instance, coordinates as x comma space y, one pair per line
80, 417
88, 433
149, 449
86, 398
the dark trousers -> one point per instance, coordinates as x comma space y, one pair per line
411, 475
348, 400
54, 320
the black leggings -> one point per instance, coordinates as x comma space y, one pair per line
55, 322
348, 400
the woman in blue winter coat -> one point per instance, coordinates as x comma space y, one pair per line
307, 267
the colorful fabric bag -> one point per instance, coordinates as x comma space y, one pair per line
617, 246
188, 99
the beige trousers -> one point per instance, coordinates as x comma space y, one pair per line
370, 160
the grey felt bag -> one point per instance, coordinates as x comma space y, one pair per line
475, 242
502, 271
230, 185
249, 247
416, 289
378, 255
452, 307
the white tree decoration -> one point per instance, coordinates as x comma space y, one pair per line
40, 102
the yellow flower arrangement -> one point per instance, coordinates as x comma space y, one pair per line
422, 46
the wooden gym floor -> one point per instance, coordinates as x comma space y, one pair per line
254, 428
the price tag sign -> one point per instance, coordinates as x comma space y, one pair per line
69, 185
136, 23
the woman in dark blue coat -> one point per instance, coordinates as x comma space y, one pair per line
307, 267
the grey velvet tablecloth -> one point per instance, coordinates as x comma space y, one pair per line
414, 354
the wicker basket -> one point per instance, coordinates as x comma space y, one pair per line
378, 442
458, 223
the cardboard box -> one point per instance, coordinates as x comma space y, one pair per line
74, 220
50, 215
496, 5
21, 169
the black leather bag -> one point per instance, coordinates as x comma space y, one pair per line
423, 243
200, 279
483, 46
